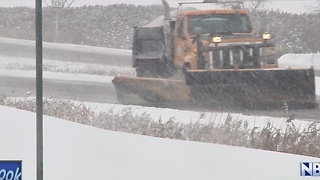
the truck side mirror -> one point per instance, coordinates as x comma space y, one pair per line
197, 31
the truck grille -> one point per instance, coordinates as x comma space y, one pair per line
232, 58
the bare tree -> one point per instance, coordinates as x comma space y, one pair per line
316, 8
257, 3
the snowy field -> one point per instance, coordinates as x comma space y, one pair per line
74, 151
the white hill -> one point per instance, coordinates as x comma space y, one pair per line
75, 151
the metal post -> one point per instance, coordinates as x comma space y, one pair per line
57, 26
57, 4
39, 89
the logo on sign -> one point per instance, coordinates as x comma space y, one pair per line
10, 170
310, 169
57, 3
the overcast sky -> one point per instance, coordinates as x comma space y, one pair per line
292, 6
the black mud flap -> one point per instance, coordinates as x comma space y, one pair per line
254, 88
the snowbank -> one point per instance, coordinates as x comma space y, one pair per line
74, 151
300, 60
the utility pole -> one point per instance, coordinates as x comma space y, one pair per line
39, 90
57, 4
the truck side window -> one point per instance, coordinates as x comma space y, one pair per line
173, 26
181, 32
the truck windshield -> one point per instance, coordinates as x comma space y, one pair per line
219, 23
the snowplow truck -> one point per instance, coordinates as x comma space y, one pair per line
222, 59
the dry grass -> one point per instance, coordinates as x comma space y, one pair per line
231, 132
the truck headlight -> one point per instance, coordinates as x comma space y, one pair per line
216, 39
266, 36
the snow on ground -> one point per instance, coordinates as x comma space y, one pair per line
19, 63
53, 69
300, 60
67, 47
75, 151
57, 76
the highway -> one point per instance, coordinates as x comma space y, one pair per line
65, 89
88, 91
74, 90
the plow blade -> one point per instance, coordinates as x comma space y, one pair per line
138, 90
253, 88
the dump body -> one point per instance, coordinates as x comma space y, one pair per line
223, 60
150, 52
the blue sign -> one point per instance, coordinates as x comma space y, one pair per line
310, 169
10, 170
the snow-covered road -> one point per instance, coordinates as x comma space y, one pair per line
74, 71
